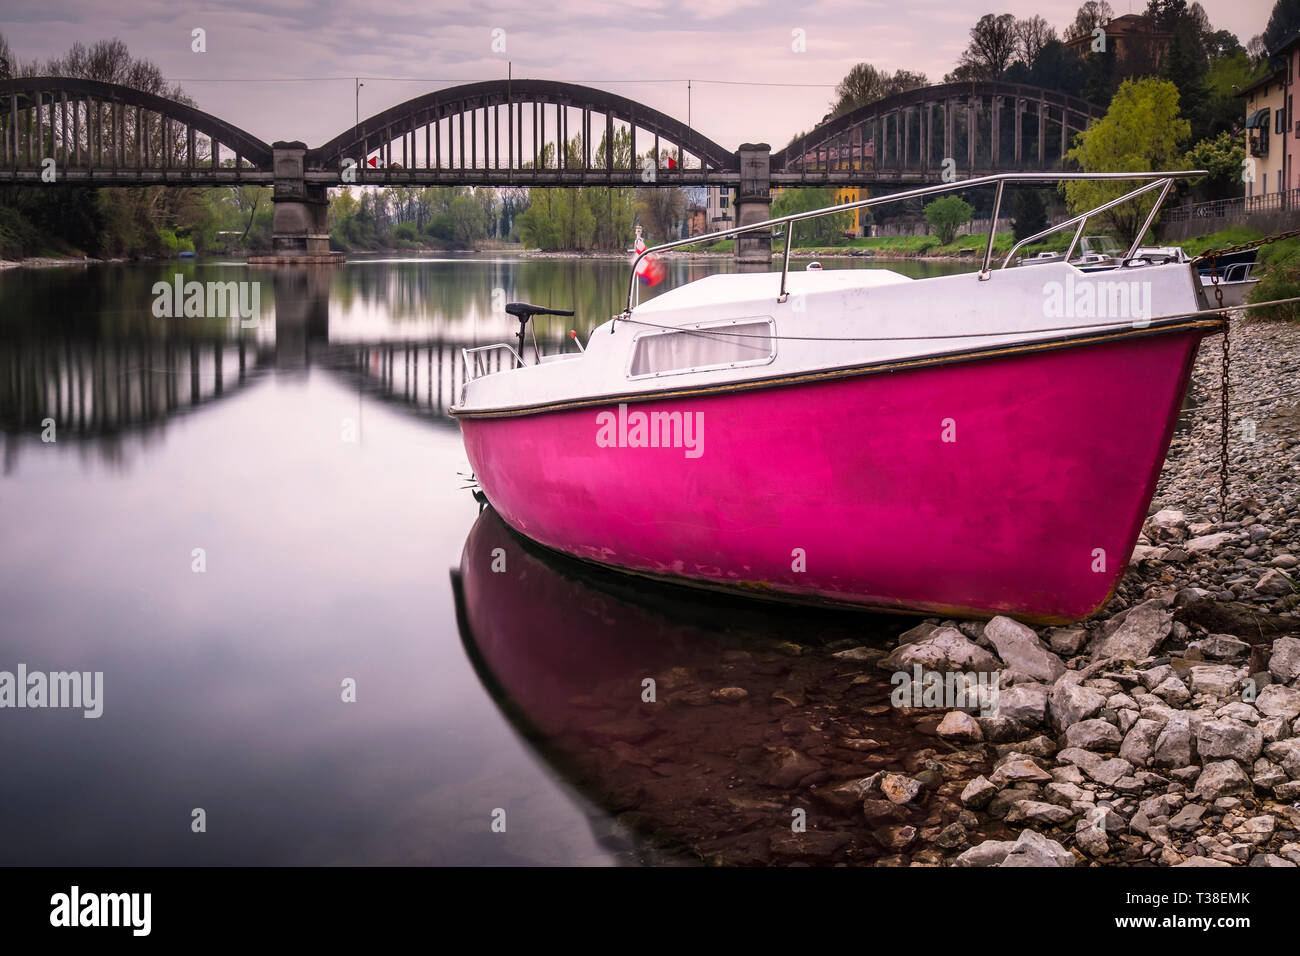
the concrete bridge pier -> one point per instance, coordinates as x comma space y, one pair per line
301, 223
754, 203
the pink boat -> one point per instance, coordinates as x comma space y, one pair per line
964, 445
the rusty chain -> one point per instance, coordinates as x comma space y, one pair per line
1213, 254
1224, 385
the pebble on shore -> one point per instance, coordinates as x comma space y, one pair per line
1171, 732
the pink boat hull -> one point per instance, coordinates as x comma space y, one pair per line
1004, 485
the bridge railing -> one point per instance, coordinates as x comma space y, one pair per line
1153, 179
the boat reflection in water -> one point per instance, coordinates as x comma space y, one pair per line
702, 723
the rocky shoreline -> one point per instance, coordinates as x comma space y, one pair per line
1165, 731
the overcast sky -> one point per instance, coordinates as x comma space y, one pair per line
252, 43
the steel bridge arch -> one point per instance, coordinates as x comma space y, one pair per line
100, 132
426, 110
842, 144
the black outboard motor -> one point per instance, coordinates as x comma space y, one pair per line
523, 312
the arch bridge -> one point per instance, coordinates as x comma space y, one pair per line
522, 132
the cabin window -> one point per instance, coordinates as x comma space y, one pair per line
712, 346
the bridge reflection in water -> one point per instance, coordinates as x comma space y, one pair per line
751, 712
98, 385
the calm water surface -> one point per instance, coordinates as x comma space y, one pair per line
311, 460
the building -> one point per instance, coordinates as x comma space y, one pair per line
695, 219
720, 210
852, 194
1265, 134
695, 211
1283, 128
1134, 41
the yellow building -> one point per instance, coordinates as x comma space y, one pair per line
852, 194
1266, 130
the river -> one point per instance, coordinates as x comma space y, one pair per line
255, 535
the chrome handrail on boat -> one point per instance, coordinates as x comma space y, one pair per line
1159, 178
472, 369
1082, 220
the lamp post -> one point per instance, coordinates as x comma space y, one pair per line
361, 160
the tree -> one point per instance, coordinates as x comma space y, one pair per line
1222, 158
1222, 43
822, 231
1186, 61
965, 73
865, 84
1142, 131
1056, 68
514, 201
992, 46
1282, 23
660, 209
613, 208
1032, 35
1093, 14
948, 214
470, 220
1221, 109
248, 198
539, 227
1028, 213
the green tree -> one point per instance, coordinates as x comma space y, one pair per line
1186, 60
946, 215
1222, 158
470, 220
1222, 107
613, 208
1055, 68
539, 224
1142, 131
1221, 43
514, 200
1282, 23
1028, 213
822, 231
